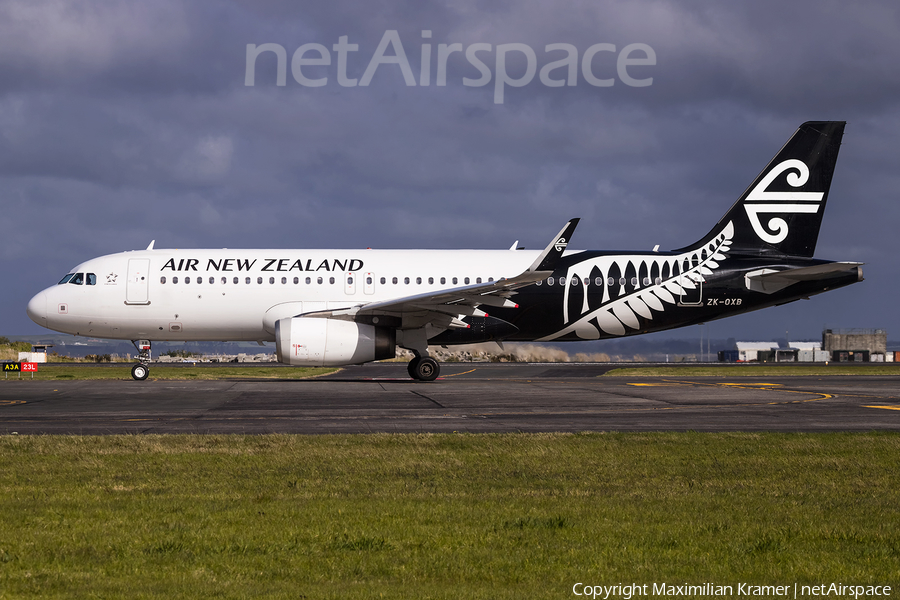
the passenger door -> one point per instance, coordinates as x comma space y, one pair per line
137, 286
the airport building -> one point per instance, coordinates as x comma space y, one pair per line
857, 345
837, 345
38, 353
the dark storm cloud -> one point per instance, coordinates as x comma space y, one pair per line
121, 122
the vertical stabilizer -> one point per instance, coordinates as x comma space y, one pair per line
781, 212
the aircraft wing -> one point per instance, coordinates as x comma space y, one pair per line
769, 281
443, 308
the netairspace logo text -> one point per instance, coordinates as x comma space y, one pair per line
632, 591
563, 70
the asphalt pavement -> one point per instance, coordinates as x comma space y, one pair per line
469, 397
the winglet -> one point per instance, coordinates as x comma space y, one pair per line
150, 247
549, 258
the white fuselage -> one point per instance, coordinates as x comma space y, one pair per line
221, 295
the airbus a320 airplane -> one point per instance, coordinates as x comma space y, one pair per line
342, 307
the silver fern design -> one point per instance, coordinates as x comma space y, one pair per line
656, 283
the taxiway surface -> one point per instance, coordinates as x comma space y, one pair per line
469, 397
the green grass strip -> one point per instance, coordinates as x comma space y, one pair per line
123, 371
761, 370
442, 516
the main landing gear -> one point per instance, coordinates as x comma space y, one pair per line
141, 371
423, 368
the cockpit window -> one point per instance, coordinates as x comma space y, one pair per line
66, 278
91, 279
77, 279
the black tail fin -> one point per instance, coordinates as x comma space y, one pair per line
780, 213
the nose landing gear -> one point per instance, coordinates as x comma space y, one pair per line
141, 371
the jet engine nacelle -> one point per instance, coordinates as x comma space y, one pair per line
331, 342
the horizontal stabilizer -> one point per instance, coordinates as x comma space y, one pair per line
769, 281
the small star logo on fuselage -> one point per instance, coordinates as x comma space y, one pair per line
111, 278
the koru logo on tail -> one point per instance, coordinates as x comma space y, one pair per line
560, 244
759, 200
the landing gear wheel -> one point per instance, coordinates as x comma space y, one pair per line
140, 372
411, 367
424, 369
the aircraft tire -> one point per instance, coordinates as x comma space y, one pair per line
140, 372
426, 369
411, 367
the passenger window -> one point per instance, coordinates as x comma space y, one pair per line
443, 280
91, 279
455, 281
247, 280
350, 281
259, 281
308, 280
406, 280
394, 280
296, 280
478, 280
467, 280
431, 281
224, 280
271, 280
550, 281
162, 279
331, 280
419, 280
610, 282
187, 279
369, 281
174, 280
383, 280
319, 280
66, 279
213, 280
490, 278
598, 281
199, 280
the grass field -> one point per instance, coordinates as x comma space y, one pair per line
442, 516
170, 372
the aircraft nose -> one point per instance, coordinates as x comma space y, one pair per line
37, 308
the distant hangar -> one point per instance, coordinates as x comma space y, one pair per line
837, 345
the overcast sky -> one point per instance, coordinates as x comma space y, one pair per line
124, 122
